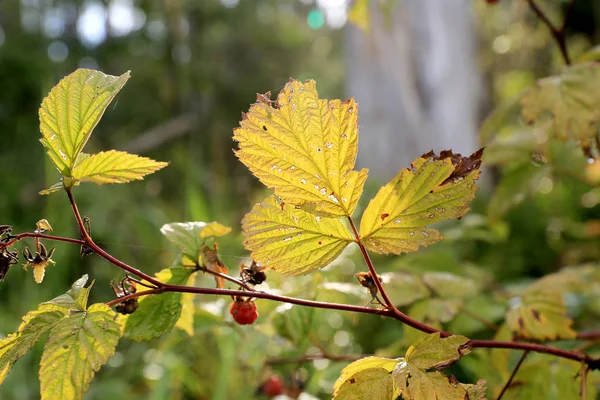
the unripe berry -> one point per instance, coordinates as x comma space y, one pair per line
273, 386
243, 311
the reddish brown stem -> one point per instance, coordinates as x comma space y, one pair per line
22, 236
557, 33
512, 376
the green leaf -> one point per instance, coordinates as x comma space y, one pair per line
434, 189
433, 351
304, 148
76, 348
71, 111
157, 313
291, 240
404, 288
76, 298
516, 185
447, 285
541, 316
115, 167
294, 323
190, 237
35, 324
367, 378
570, 100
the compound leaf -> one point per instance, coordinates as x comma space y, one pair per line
35, 324
569, 99
76, 349
434, 189
114, 167
157, 313
72, 110
291, 240
76, 298
541, 316
304, 148
367, 378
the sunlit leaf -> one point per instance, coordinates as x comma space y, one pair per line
541, 316
304, 148
569, 99
35, 325
367, 378
186, 319
44, 225
434, 189
157, 313
76, 349
190, 237
76, 298
72, 110
291, 240
115, 167
54, 188
413, 381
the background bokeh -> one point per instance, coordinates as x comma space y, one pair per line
196, 65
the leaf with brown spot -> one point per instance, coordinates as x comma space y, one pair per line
434, 189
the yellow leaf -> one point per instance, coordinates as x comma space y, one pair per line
43, 225
186, 320
434, 189
214, 229
304, 148
115, 167
291, 240
367, 378
71, 111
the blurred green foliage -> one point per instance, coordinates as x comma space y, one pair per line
195, 66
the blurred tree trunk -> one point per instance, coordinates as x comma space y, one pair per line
416, 80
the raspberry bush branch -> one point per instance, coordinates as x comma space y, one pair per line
558, 34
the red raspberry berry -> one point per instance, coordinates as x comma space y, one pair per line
243, 311
273, 386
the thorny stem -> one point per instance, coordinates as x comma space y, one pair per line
557, 33
512, 376
391, 312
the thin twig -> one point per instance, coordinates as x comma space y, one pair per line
557, 34
512, 376
22, 236
227, 278
584, 371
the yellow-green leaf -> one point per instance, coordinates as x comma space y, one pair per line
54, 188
367, 378
416, 384
434, 189
44, 225
115, 167
214, 229
541, 316
76, 349
304, 148
433, 351
569, 99
35, 325
291, 240
72, 110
